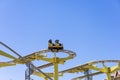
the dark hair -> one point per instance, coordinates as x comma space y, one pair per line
56, 41
50, 41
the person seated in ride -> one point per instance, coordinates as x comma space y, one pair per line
50, 44
57, 43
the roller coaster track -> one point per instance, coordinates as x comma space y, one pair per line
36, 55
24, 59
53, 61
40, 55
93, 74
81, 67
89, 65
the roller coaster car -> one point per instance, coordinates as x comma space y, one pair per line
55, 47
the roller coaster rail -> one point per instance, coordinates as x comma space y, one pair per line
90, 66
55, 61
24, 59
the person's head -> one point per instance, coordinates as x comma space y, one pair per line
56, 41
50, 41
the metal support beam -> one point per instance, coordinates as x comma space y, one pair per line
24, 60
87, 73
55, 67
28, 72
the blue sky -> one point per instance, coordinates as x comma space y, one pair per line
91, 28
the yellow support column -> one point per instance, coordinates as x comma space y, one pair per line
55, 67
108, 73
55, 71
108, 76
46, 78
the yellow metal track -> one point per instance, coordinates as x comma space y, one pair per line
56, 60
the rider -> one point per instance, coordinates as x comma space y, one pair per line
57, 43
50, 44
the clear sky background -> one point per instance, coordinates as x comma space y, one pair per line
91, 28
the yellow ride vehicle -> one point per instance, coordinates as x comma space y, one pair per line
55, 47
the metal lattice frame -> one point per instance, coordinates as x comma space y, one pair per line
55, 61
